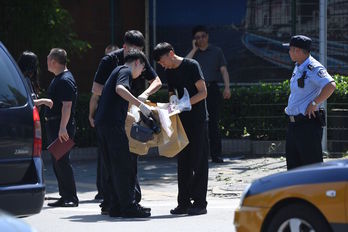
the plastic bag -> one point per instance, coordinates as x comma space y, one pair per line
179, 105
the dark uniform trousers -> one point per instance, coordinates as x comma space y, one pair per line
118, 165
62, 168
193, 166
303, 143
214, 101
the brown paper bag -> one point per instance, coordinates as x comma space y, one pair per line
167, 146
177, 141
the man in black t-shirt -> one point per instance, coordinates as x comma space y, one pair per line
192, 160
110, 124
60, 123
132, 39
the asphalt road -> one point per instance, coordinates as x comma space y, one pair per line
159, 187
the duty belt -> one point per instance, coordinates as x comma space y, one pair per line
301, 117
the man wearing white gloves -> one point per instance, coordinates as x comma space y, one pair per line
133, 39
110, 124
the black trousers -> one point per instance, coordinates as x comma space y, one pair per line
214, 101
105, 180
62, 168
99, 179
303, 143
193, 166
118, 164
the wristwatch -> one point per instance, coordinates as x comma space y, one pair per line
314, 103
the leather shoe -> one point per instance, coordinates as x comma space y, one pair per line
104, 211
114, 212
217, 159
135, 212
197, 211
99, 196
179, 210
63, 203
146, 209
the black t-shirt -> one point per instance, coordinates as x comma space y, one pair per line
110, 61
62, 88
112, 108
185, 76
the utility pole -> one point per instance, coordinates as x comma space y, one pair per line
293, 17
323, 55
112, 21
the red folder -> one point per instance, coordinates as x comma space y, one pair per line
58, 149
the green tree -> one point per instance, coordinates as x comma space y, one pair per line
37, 25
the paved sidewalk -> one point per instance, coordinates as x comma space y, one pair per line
158, 177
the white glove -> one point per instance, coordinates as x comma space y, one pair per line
173, 100
145, 109
143, 97
173, 103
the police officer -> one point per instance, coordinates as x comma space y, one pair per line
310, 85
60, 123
133, 39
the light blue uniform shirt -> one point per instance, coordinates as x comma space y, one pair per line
315, 80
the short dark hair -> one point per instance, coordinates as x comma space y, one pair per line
59, 55
199, 28
134, 37
161, 49
135, 54
110, 48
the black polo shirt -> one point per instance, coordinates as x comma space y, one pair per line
62, 88
110, 61
112, 108
185, 76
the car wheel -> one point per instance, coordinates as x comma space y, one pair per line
298, 218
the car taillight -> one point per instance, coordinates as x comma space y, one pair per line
37, 133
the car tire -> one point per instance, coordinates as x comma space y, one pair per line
302, 216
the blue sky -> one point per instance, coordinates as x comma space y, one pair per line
193, 12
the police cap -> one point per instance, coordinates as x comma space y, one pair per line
300, 41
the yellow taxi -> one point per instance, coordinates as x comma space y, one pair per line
311, 198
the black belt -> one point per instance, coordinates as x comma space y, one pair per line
303, 118
52, 118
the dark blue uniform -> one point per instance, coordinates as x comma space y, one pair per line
62, 88
110, 124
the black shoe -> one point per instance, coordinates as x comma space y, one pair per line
104, 211
135, 212
217, 159
179, 210
99, 196
197, 211
63, 203
146, 209
114, 212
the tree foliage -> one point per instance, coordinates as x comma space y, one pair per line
37, 25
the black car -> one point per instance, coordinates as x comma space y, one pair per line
22, 189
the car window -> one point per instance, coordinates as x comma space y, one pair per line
12, 90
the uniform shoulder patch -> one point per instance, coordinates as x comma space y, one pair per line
310, 67
322, 73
